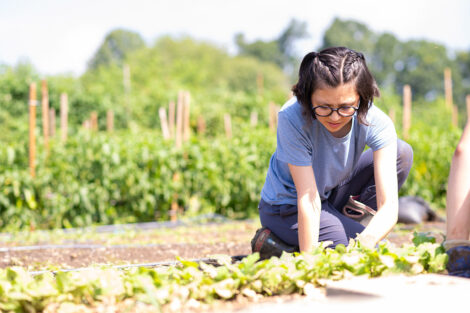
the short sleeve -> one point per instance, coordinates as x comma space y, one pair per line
293, 146
381, 130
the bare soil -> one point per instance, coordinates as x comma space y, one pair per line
150, 246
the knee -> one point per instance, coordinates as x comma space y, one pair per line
404, 155
337, 235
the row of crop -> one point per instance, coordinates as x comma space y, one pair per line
193, 284
128, 177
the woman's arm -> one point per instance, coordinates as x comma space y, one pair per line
309, 206
458, 188
385, 174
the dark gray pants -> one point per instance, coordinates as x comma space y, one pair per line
334, 226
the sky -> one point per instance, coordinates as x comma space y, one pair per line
61, 36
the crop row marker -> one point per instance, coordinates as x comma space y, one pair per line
467, 98
110, 121
32, 129
406, 111
449, 97
51, 122
260, 83
392, 114
407, 94
273, 114
45, 114
228, 125
64, 112
48, 121
176, 126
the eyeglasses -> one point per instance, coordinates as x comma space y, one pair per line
324, 111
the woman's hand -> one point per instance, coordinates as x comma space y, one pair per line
309, 206
386, 185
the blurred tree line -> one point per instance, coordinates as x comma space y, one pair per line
394, 63
220, 83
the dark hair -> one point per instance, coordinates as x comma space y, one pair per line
332, 67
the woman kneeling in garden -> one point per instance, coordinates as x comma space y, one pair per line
320, 178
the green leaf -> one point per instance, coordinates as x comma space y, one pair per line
186, 263
420, 238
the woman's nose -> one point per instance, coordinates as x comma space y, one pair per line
335, 116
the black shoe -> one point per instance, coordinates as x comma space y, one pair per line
459, 261
267, 244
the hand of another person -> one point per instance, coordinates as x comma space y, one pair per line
367, 241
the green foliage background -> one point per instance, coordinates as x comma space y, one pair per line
127, 176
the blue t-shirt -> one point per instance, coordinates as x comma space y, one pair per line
311, 144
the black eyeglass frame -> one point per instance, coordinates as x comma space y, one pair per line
337, 110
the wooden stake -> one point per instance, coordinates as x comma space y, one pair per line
32, 129
186, 126
45, 114
276, 114
448, 87
64, 112
174, 210
406, 111
109, 121
290, 94
201, 125
260, 83
94, 121
228, 125
254, 119
174, 204
171, 118
179, 121
467, 98
272, 121
455, 116
392, 115
126, 77
86, 124
52, 122
164, 123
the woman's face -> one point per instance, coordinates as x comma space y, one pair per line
336, 97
